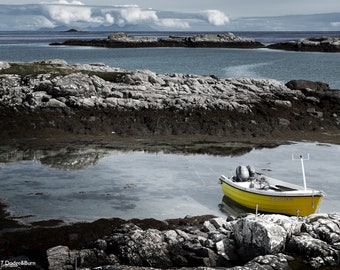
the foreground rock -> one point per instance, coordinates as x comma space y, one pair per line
323, 44
123, 40
251, 242
52, 97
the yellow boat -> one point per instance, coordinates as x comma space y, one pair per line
262, 193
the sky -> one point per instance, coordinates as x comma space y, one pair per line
167, 15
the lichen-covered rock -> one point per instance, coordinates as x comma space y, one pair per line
140, 248
316, 251
59, 257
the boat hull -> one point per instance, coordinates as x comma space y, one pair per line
301, 205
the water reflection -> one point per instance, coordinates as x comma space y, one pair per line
80, 157
67, 158
81, 183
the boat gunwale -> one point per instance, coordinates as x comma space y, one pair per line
272, 193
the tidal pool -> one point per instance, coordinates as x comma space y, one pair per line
93, 183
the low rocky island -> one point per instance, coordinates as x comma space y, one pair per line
123, 40
322, 44
223, 40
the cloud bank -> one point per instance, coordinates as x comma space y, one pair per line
215, 17
75, 14
66, 14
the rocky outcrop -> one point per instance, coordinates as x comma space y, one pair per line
323, 44
123, 40
95, 99
307, 85
251, 242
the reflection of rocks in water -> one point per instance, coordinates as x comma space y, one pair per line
75, 158
81, 155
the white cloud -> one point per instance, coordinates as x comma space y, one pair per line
136, 15
24, 22
215, 17
173, 23
69, 14
64, 2
109, 18
335, 24
125, 6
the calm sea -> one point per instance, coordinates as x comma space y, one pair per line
160, 185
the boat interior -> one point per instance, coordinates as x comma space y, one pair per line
247, 177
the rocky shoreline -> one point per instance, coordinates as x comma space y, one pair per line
251, 242
52, 98
246, 242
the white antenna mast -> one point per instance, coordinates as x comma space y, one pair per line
303, 168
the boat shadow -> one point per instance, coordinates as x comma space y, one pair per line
232, 208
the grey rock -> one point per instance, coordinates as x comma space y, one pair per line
54, 103
227, 37
305, 84
100, 244
268, 262
283, 122
59, 257
316, 251
227, 249
322, 44
141, 247
125, 38
324, 227
58, 62
4, 65
77, 85
264, 236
